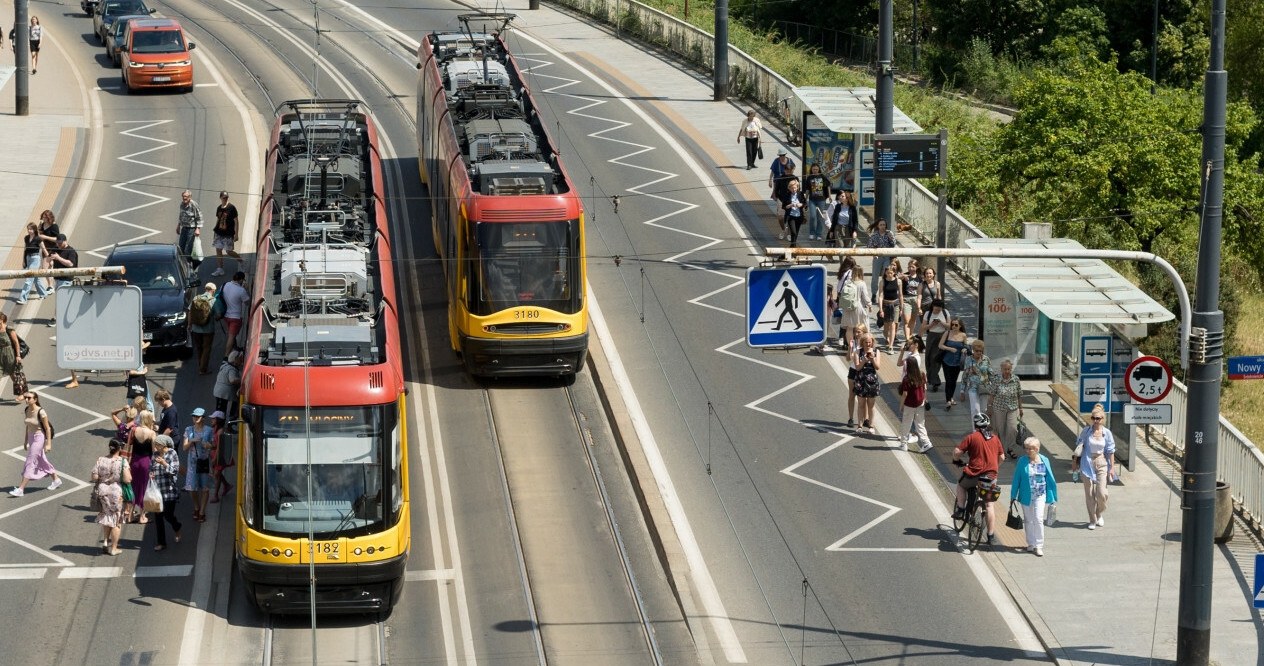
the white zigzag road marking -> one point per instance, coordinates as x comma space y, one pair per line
126, 186
683, 207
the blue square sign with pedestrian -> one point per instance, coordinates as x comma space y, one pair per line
785, 306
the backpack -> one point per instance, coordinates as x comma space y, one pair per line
850, 298
200, 311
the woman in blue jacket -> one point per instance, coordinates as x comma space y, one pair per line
1035, 488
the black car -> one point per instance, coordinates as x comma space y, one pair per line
109, 10
89, 7
167, 287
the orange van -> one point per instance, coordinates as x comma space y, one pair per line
155, 54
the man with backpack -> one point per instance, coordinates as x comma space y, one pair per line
201, 323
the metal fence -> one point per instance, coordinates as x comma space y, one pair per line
1240, 463
849, 46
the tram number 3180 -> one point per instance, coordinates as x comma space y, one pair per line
526, 314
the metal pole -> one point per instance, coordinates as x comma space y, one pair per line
1154, 48
941, 228
533, 4
788, 254
22, 51
884, 189
1202, 431
721, 73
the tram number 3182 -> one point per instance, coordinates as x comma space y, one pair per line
327, 548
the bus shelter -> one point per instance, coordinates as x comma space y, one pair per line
838, 127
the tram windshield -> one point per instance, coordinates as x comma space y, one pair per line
531, 263
348, 473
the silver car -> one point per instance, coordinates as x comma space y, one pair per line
117, 36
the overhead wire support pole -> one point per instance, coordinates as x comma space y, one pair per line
790, 254
1202, 428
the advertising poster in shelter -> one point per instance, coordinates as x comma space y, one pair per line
1012, 327
835, 153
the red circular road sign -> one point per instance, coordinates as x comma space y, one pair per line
1148, 379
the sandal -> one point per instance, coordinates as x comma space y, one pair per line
177, 537
115, 552
159, 548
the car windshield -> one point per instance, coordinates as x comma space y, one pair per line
158, 41
113, 9
152, 274
527, 264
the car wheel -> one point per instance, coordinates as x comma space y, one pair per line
127, 90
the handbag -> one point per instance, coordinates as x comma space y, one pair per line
153, 499
759, 150
1051, 515
23, 348
1020, 437
19, 382
203, 465
94, 500
1014, 520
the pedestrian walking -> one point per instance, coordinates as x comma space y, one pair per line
817, 188
169, 420
48, 232
1036, 490
189, 226
842, 219
852, 349
198, 440
39, 443
32, 257
889, 289
978, 375
913, 407
779, 174
236, 305
109, 474
795, 206
225, 233
1095, 448
164, 472
201, 322
1005, 405
227, 380
63, 256
853, 299
125, 419
952, 349
911, 312
879, 237
934, 327
140, 441
867, 362
750, 132
221, 457
35, 35
11, 357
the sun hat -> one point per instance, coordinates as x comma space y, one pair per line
198, 411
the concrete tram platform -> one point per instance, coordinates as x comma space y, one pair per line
1104, 596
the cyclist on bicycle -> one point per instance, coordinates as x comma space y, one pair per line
986, 454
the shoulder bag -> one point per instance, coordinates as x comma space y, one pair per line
759, 150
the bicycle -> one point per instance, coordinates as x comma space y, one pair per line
974, 516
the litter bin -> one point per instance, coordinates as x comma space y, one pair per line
1224, 513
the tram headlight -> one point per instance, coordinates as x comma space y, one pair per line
276, 552
289, 553
358, 551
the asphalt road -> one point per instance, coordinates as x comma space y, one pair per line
766, 496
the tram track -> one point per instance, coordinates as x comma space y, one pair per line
555, 487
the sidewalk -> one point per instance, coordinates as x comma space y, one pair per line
40, 149
1107, 596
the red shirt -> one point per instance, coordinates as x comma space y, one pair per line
985, 455
914, 396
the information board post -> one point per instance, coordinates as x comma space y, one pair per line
941, 229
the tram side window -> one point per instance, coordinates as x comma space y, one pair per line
248, 463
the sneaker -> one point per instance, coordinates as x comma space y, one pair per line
217, 272
903, 445
925, 447
851, 423
16, 492
1092, 526
781, 236
1101, 521
21, 301
55, 484
1040, 552
992, 540
959, 513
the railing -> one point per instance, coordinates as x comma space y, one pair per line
1240, 463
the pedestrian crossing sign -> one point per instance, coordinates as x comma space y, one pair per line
1258, 587
785, 306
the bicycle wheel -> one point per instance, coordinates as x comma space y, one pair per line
959, 523
978, 525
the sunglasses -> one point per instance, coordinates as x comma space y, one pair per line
1097, 418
